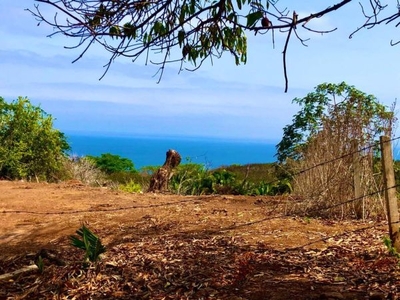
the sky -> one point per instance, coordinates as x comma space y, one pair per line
222, 100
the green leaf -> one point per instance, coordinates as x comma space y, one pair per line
89, 242
229, 5
192, 7
232, 17
115, 31
239, 3
129, 30
252, 18
182, 15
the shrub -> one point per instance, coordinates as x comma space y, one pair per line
190, 179
130, 187
84, 170
110, 163
29, 145
329, 147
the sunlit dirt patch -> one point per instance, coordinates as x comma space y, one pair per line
197, 247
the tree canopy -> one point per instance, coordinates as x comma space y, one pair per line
29, 145
110, 163
191, 31
347, 113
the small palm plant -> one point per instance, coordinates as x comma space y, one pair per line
88, 241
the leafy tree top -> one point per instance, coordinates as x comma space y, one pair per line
189, 31
110, 163
353, 114
29, 145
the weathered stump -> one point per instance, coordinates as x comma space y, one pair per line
159, 180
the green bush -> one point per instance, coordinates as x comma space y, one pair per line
120, 171
29, 145
126, 177
190, 179
195, 179
278, 187
110, 163
130, 187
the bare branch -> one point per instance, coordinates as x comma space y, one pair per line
285, 50
199, 29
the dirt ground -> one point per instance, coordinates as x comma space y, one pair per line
186, 247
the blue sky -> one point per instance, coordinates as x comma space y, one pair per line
223, 100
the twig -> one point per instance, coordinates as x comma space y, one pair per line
23, 270
294, 21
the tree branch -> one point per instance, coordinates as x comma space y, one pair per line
201, 29
285, 50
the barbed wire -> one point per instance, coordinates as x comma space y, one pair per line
314, 210
310, 212
332, 236
195, 199
354, 199
71, 212
372, 145
351, 153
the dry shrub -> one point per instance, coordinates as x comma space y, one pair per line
326, 172
84, 170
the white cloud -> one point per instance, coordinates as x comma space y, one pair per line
219, 100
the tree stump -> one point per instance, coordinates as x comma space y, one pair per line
159, 180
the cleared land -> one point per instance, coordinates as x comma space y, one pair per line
186, 247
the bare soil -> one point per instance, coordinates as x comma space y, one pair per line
186, 247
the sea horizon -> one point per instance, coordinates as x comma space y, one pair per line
150, 150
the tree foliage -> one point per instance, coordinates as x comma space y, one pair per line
356, 116
190, 31
111, 163
29, 145
331, 147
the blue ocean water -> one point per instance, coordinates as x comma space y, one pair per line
146, 151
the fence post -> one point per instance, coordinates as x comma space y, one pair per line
358, 192
390, 191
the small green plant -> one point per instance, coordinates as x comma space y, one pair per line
263, 188
89, 242
392, 250
40, 264
131, 187
190, 179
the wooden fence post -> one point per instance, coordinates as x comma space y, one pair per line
390, 191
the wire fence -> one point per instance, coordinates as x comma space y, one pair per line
272, 216
194, 199
351, 153
300, 172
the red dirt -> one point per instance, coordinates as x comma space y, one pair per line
187, 247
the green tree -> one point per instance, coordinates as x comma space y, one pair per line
110, 163
180, 31
357, 116
29, 145
331, 145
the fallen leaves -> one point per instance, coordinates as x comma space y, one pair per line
218, 267
213, 248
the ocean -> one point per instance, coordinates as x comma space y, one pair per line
151, 151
